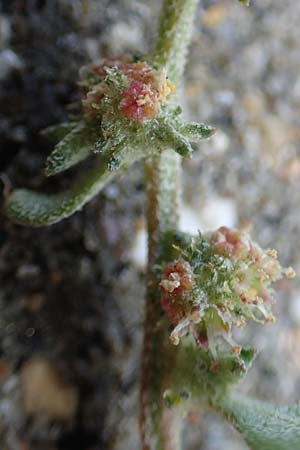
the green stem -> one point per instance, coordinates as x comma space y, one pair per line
160, 428
162, 183
174, 36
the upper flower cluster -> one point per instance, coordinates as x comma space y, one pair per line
135, 90
221, 280
127, 116
128, 105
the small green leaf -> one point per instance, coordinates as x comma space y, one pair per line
56, 133
197, 131
170, 138
245, 2
122, 151
109, 146
117, 150
76, 146
30, 208
263, 426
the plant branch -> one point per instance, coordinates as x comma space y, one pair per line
162, 179
160, 428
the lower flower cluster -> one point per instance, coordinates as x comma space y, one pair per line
221, 280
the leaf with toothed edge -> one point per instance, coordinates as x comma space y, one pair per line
76, 146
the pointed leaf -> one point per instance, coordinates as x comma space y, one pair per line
76, 146
56, 133
263, 426
197, 131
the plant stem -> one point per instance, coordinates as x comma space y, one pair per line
174, 36
162, 179
160, 427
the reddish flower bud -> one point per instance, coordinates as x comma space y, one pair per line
176, 286
139, 102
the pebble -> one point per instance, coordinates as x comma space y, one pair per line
9, 61
45, 392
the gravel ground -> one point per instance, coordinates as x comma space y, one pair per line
71, 299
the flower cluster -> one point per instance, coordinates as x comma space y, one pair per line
127, 116
134, 89
220, 280
127, 106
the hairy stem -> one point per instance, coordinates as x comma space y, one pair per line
162, 179
160, 427
174, 36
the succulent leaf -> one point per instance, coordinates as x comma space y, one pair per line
76, 146
263, 426
26, 207
31, 208
197, 131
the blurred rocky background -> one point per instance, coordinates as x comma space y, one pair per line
71, 296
